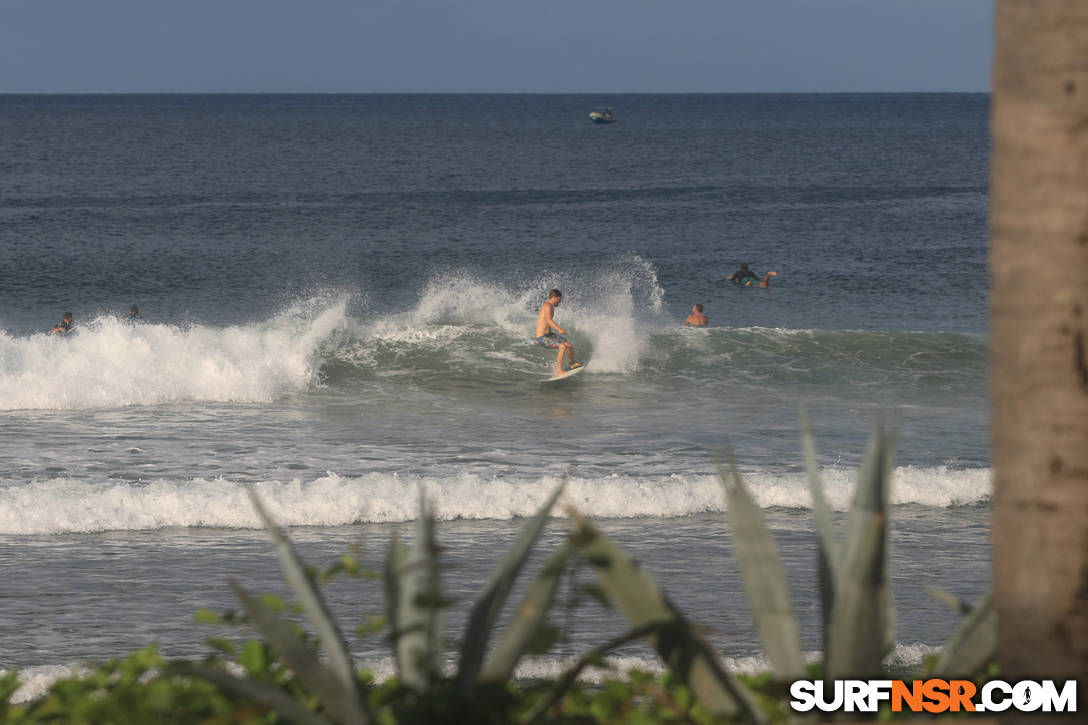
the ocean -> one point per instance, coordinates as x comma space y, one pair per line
339, 295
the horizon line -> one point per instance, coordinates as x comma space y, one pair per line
485, 93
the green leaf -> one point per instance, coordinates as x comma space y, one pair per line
310, 599
395, 559
527, 620
343, 702
862, 617
856, 631
374, 623
222, 644
949, 600
597, 594
829, 550
974, 645
764, 578
680, 647
595, 657
419, 616
207, 616
253, 657
250, 689
543, 639
493, 595
887, 603
274, 602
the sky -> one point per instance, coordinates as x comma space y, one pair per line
494, 46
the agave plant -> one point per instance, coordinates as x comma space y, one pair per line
679, 644
854, 575
856, 603
416, 613
975, 644
856, 606
855, 598
415, 607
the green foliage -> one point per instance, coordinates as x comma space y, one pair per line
764, 578
974, 645
299, 670
858, 612
128, 691
528, 629
679, 644
495, 591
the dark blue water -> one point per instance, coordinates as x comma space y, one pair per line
339, 294
221, 208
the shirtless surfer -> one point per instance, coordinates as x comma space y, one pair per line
545, 323
696, 318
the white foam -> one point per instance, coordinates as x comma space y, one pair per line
69, 505
109, 363
34, 682
605, 312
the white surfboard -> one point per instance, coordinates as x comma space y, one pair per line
564, 376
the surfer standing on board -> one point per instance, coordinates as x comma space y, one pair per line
554, 340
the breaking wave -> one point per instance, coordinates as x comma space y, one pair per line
69, 505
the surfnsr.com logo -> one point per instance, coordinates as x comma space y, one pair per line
933, 696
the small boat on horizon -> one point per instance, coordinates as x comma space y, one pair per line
602, 115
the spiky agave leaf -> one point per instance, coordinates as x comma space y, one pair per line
395, 558
342, 701
419, 609
492, 597
313, 604
829, 550
764, 578
949, 599
861, 615
594, 657
527, 620
974, 644
887, 603
680, 647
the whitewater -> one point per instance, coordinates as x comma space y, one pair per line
339, 297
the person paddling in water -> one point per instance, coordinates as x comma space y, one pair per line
545, 323
741, 275
766, 280
65, 324
696, 318
746, 277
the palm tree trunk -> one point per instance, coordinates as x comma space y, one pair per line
1039, 338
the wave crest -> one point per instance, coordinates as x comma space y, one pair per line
69, 505
108, 363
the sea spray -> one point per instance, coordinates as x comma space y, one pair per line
609, 314
108, 363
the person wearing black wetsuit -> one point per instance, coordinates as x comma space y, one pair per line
741, 274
